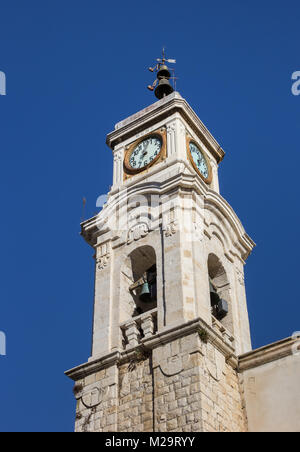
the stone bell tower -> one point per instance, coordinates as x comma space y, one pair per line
170, 314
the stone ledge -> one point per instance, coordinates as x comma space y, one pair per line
163, 337
266, 354
91, 367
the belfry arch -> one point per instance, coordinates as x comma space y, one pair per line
137, 264
220, 284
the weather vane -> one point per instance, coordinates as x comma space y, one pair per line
161, 84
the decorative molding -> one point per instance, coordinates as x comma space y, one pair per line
215, 364
132, 334
94, 365
118, 156
147, 325
214, 204
172, 366
171, 361
118, 357
171, 228
171, 142
267, 354
137, 232
171, 128
158, 111
103, 257
93, 397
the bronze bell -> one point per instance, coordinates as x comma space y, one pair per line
145, 295
163, 72
164, 88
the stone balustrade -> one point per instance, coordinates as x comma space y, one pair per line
227, 336
138, 328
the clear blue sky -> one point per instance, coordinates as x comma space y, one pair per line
74, 69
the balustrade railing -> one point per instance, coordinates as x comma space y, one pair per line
219, 328
138, 328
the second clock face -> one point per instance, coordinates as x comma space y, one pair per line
145, 152
199, 160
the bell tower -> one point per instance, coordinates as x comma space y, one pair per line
170, 312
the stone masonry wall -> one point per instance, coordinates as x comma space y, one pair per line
185, 386
221, 400
135, 412
177, 387
97, 402
195, 390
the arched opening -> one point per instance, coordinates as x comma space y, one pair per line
139, 283
220, 297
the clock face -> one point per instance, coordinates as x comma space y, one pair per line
145, 152
199, 160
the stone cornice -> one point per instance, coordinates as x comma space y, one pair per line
178, 331
165, 336
214, 200
179, 180
89, 368
267, 354
158, 111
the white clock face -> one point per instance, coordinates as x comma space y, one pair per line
145, 152
199, 160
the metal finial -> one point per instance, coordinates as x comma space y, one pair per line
161, 84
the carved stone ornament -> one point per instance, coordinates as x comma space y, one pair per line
103, 257
118, 156
137, 232
171, 228
172, 365
102, 262
171, 128
94, 396
215, 364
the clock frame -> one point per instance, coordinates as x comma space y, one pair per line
208, 179
129, 171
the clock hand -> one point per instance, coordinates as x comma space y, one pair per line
146, 150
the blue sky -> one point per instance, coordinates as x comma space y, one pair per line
74, 69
